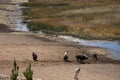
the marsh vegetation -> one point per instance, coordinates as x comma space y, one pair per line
87, 19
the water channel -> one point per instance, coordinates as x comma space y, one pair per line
112, 46
16, 18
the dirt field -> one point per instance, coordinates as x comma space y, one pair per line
50, 52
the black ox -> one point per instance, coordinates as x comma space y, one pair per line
81, 58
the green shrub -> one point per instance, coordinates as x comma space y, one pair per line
14, 74
28, 73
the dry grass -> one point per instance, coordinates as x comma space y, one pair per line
89, 19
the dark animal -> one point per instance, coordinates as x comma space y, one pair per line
95, 56
34, 56
65, 58
81, 58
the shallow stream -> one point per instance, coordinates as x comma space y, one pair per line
112, 46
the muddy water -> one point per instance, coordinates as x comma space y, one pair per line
112, 46
16, 19
16, 16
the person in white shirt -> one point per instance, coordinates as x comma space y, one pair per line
66, 56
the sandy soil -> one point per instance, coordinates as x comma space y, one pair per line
50, 52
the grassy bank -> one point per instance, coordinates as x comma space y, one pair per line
88, 19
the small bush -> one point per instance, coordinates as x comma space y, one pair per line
14, 74
28, 73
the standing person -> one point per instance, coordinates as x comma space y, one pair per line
77, 70
66, 56
95, 56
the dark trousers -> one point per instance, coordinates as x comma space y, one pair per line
65, 58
